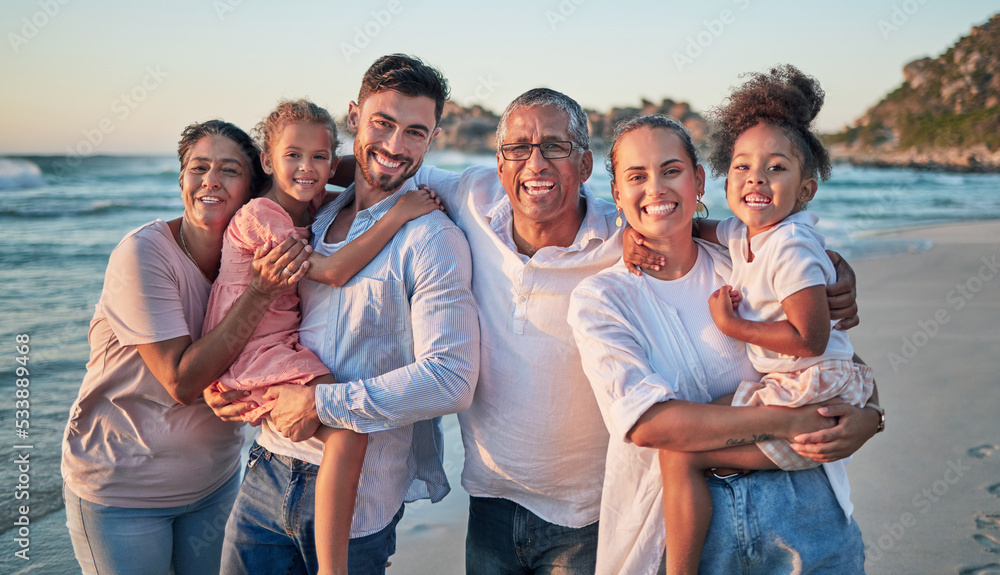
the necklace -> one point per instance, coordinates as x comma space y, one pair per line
188, 252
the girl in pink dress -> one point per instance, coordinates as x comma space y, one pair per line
298, 141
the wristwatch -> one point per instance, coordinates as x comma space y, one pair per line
881, 416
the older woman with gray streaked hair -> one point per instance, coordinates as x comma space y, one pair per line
149, 471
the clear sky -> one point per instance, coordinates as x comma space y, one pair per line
125, 76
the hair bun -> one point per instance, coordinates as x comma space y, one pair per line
808, 89
784, 97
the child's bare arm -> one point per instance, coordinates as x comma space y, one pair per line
804, 334
705, 229
337, 269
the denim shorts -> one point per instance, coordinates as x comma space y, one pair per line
768, 522
271, 528
505, 538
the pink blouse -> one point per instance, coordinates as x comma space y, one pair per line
273, 354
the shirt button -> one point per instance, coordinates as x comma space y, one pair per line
521, 299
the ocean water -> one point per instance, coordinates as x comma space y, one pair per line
61, 217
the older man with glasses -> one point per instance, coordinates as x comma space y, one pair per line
534, 439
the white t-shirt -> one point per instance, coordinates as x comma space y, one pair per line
643, 343
787, 258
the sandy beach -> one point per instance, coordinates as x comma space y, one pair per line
927, 491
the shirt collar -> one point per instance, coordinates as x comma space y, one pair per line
380, 208
595, 225
324, 218
803, 217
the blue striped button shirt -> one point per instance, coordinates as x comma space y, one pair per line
403, 335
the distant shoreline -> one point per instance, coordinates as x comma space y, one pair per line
875, 161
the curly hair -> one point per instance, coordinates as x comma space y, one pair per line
193, 133
652, 121
784, 97
287, 112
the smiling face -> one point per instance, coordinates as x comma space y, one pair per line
765, 183
393, 132
655, 183
540, 190
301, 161
215, 182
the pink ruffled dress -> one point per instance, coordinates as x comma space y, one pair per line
273, 355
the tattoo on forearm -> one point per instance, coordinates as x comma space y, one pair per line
755, 439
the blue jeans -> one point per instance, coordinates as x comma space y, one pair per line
504, 537
767, 522
271, 527
149, 540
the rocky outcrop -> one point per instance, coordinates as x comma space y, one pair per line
945, 114
602, 125
473, 129
470, 130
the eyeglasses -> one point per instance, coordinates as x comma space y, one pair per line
549, 150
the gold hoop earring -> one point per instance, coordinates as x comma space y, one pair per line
618, 221
700, 208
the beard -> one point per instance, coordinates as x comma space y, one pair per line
383, 182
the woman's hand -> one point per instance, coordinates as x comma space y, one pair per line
276, 268
842, 296
224, 403
808, 419
854, 427
636, 255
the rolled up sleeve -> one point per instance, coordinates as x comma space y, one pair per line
614, 360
